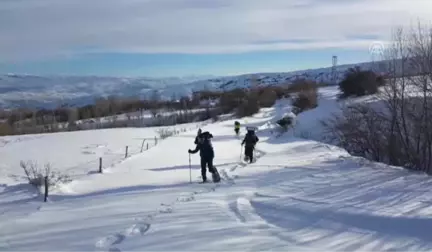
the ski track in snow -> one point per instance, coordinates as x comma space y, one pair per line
109, 241
141, 228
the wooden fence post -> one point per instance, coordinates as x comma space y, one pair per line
142, 145
126, 153
100, 165
46, 189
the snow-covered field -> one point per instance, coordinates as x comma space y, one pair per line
77, 153
299, 195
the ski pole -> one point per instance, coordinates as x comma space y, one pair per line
190, 169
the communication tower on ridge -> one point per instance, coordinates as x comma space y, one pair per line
333, 71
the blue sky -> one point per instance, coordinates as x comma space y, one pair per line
161, 38
166, 65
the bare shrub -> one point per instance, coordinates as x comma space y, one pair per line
286, 122
36, 175
230, 100
305, 101
6, 129
398, 129
359, 82
300, 85
165, 133
33, 173
360, 130
267, 97
307, 96
282, 91
249, 106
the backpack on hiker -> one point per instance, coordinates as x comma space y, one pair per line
205, 147
250, 141
237, 127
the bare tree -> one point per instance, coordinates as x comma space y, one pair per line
398, 128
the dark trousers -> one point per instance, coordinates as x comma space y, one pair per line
237, 131
204, 164
249, 153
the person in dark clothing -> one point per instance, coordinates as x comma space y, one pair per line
204, 146
197, 137
237, 127
250, 141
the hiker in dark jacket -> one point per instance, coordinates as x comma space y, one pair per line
204, 146
250, 140
197, 137
236, 128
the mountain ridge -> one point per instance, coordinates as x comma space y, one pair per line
23, 90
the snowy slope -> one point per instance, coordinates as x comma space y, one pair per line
298, 195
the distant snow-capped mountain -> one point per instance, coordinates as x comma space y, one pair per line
52, 91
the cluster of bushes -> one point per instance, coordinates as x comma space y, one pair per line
32, 121
164, 133
357, 82
102, 107
306, 95
246, 102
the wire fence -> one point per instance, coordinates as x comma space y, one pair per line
111, 158
115, 157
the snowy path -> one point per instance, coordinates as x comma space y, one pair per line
299, 195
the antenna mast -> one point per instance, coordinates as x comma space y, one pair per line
333, 71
